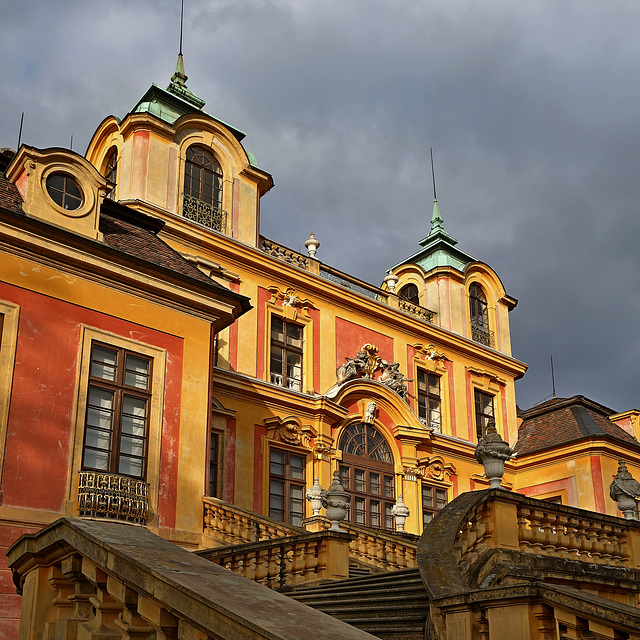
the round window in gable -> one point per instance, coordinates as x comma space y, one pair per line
64, 191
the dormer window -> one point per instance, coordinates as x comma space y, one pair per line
203, 189
410, 293
64, 191
479, 311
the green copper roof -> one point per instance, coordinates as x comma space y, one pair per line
176, 100
438, 248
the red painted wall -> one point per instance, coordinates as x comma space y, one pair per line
350, 337
41, 417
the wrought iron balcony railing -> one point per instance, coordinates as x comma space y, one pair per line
107, 495
483, 336
204, 213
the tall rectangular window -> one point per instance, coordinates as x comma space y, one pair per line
286, 486
433, 499
214, 463
484, 412
429, 403
286, 354
117, 418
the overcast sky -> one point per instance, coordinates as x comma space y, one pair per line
532, 109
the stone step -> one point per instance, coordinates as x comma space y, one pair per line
381, 592
361, 597
391, 606
355, 613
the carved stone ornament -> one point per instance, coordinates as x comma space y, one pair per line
290, 297
392, 378
492, 452
336, 500
400, 512
288, 430
366, 363
323, 452
436, 469
411, 475
625, 490
370, 413
429, 353
314, 495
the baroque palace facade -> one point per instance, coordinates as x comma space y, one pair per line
159, 357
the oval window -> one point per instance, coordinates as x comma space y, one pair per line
64, 191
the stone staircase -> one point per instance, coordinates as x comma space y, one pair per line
391, 606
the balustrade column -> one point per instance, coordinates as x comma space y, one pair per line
163, 622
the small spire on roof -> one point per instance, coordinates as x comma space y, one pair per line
179, 76
437, 223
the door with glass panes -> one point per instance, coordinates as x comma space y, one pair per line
366, 472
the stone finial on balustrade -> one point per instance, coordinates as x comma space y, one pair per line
312, 245
391, 281
625, 490
314, 495
336, 500
400, 512
492, 452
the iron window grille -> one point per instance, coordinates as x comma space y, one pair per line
285, 367
484, 412
429, 403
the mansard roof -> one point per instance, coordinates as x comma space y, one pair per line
562, 421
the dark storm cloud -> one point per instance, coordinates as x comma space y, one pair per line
531, 108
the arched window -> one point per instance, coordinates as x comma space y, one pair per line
366, 471
410, 293
111, 172
479, 311
203, 189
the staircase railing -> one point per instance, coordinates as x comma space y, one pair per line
287, 561
109, 580
226, 524
380, 549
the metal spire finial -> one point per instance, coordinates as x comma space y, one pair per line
181, 24
437, 223
179, 77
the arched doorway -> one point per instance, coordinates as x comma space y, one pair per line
366, 472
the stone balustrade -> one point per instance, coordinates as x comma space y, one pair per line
287, 561
283, 253
547, 529
382, 550
227, 524
100, 580
416, 310
540, 570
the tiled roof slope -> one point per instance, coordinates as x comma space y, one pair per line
9, 195
564, 420
134, 233
131, 233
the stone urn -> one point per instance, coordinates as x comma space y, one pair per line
625, 489
391, 280
312, 245
314, 495
492, 452
400, 512
336, 500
